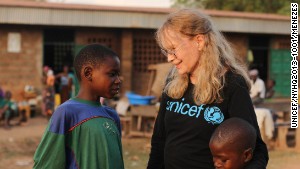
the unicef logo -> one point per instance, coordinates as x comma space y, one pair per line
109, 128
213, 115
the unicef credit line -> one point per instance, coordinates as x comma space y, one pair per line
294, 65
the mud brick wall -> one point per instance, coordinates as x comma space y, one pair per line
239, 42
24, 67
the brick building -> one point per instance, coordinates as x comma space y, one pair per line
35, 34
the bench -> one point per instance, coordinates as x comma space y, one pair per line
286, 134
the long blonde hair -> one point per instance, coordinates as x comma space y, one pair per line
216, 57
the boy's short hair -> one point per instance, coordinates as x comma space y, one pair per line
235, 131
93, 54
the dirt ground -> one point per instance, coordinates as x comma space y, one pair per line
18, 144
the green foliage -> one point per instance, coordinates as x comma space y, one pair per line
259, 6
188, 3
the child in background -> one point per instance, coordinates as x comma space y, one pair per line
49, 94
270, 91
232, 144
82, 133
6, 109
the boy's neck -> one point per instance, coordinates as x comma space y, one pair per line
93, 103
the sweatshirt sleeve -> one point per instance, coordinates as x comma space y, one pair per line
50, 153
156, 160
240, 106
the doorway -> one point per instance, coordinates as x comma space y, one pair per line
58, 48
259, 45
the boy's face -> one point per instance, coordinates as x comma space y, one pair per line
105, 80
225, 156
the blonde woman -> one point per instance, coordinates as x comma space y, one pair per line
206, 86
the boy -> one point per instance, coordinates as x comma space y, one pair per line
82, 133
232, 144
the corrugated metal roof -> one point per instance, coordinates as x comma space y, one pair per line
57, 14
61, 17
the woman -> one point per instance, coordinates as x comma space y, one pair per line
206, 86
65, 85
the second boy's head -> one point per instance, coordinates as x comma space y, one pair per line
97, 69
232, 144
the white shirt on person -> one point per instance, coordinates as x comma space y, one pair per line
257, 87
265, 122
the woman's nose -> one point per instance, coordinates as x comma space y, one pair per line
171, 57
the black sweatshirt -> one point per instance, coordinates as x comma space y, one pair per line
183, 129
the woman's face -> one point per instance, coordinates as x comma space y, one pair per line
181, 51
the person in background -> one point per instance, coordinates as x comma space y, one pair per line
267, 117
81, 132
232, 144
49, 94
270, 91
7, 109
44, 90
44, 75
74, 83
65, 86
1, 93
206, 86
258, 90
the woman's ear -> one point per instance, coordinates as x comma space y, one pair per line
88, 72
247, 155
200, 39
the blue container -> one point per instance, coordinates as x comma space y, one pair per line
136, 99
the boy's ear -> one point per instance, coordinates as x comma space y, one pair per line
88, 72
248, 154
